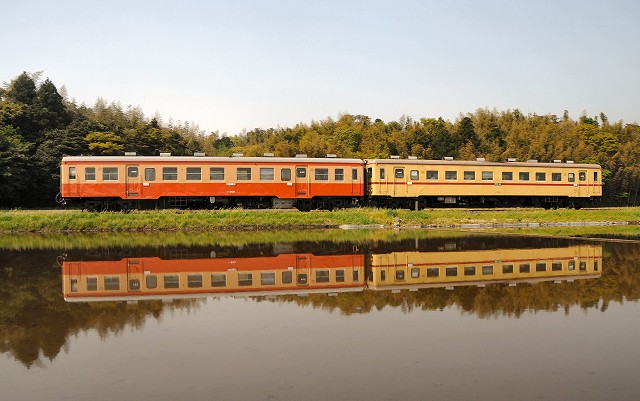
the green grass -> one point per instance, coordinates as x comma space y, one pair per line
58, 221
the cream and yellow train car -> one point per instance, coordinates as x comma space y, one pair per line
154, 278
414, 270
425, 183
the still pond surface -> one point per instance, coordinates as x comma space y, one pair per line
385, 317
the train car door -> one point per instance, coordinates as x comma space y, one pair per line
583, 183
302, 181
133, 182
399, 181
303, 270
382, 179
135, 274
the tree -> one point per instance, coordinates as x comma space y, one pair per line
104, 143
51, 111
15, 167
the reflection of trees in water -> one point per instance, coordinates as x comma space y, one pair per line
620, 281
35, 321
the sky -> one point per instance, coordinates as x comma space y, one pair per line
230, 66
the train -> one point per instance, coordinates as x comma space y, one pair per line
302, 273
151, 182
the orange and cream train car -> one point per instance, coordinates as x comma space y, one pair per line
133, 182
425, 183
155, 278
401, 270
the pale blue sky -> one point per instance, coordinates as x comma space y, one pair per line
233, 65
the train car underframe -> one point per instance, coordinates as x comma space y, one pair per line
184, 202
424, 202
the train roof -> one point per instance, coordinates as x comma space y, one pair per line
480, 163
209, 159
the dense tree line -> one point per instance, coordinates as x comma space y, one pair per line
38, 125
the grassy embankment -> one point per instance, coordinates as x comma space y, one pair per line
46, 221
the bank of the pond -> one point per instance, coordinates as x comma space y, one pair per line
47, 221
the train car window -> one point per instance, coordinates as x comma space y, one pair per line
400, 275
149, 174
571, 265
469, 175
507, 176
541, 267
132, 172
541, 176
432, 175
571, 177
302, 279
469, 270
171, 281
218, 280
339, 176
151, 281
595, 176
487, 175
582, 176
112, 283
450, 175
267, 174
72, 173
243, 173
90, 174
74, 285
268, 278
487, 270
322, 276
216, 173
322, 174
451, 271
110, 174
433, 272
525, 267
354, 174
415, 272
301, 172
595, 265
506, 269
399, 173
92, 283
356, 275
170, 174
382, 174
583, 266
369, 173
414, 175
194, 280
245, 279
383, 275
556, 266
287, 277
556, 176
340, 276
194, 174
285, 174
522, 176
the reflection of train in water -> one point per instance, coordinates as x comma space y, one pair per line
303, 273
152, 277
414, 270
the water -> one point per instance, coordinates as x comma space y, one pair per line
359, 317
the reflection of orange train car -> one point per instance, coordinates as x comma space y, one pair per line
401, 270
152, 277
